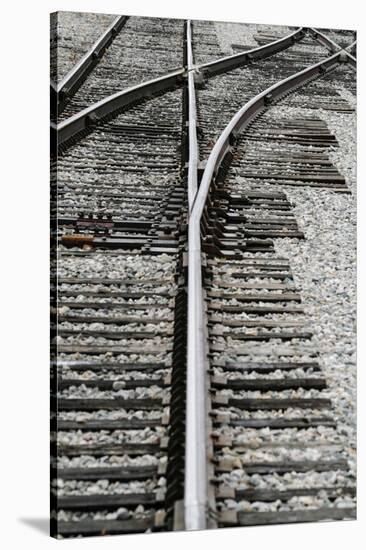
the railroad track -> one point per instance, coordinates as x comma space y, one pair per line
182, 362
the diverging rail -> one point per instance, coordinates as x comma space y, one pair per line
196, 473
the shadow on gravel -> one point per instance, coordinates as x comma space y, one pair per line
40, 524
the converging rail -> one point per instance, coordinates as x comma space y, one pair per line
333, 46
110, 105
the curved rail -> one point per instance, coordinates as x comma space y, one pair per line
74, 78
196, 367
244, 116
85, 118
232, 61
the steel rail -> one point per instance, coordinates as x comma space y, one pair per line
196, 400
195, 496
195, 483
107, 106
325, 40
72, 81
333, 46
193, 158
232, 61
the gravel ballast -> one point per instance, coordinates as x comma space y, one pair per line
324, 266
